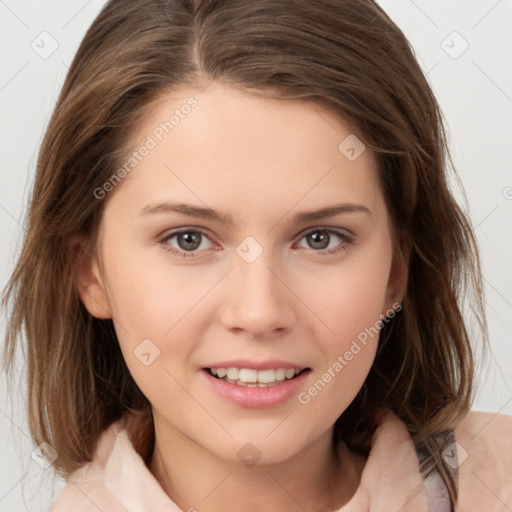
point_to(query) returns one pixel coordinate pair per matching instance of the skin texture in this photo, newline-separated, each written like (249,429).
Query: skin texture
(261,161)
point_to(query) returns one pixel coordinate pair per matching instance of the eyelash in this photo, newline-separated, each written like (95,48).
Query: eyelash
(322,252)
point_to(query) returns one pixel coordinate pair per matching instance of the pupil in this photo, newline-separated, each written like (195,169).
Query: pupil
(190,237)
(319,237)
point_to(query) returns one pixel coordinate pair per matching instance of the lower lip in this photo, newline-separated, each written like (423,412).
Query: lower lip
(256,397)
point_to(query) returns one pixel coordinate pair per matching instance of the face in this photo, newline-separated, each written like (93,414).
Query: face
(258,285)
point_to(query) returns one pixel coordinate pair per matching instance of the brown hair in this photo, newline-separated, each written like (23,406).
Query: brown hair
(345,55)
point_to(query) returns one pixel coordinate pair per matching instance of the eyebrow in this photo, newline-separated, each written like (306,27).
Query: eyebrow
(214,215)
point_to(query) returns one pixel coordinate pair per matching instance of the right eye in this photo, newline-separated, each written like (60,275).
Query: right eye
(187,240)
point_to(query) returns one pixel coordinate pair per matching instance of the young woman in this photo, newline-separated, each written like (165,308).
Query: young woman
(242,276)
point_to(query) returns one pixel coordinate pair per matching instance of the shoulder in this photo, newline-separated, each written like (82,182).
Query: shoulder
(476,422)
(82,495)
(484,452)
(116,480)
(85,489)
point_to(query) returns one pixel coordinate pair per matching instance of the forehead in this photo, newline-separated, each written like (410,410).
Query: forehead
(245,150)
(229,116)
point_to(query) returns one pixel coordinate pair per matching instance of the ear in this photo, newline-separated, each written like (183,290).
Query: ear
(397,283)
(88,279)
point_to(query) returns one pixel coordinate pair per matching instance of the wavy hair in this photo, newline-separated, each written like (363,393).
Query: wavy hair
(345,55)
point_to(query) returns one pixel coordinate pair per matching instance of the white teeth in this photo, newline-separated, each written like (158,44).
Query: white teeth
(254,378)
(290,373)
(266,376)
(232,373)
(246,375)
(280,374)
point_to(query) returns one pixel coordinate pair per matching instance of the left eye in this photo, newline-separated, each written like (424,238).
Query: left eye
(321,238)
(189,241)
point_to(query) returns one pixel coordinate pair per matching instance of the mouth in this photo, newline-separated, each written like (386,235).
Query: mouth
(252,378)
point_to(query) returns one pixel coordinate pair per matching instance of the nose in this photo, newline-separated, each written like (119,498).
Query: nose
(259,300)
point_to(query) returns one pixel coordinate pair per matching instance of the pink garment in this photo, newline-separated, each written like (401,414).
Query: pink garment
(117,480)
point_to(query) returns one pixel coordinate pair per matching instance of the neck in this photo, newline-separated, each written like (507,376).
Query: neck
(317,478)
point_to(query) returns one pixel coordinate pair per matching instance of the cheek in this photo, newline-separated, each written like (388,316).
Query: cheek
(161,311)
(358,302)
(349,304)
(149,305)
(349,298)
(336,385)
(353,314)
(148,295)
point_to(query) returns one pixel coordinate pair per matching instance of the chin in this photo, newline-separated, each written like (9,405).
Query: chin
(260,451)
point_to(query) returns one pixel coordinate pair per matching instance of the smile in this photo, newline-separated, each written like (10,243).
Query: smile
(255,378)
(270,385)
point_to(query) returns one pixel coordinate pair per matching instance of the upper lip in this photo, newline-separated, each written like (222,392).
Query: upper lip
(269,364)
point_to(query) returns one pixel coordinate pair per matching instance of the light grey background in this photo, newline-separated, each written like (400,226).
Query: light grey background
(474,89)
